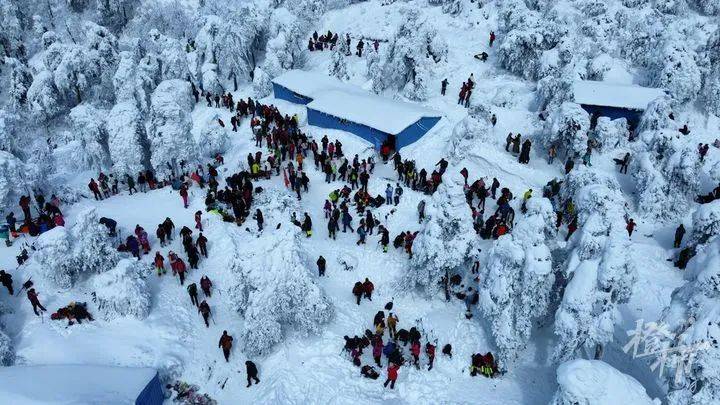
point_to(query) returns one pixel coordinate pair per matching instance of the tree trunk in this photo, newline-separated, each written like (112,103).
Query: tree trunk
(598,351)
(447,286)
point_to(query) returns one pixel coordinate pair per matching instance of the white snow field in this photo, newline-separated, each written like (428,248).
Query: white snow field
(78,98)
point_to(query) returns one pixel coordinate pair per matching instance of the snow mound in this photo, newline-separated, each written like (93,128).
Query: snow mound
(595,382)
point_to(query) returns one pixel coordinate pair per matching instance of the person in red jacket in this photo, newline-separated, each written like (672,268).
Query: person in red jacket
(226,345)
(93,186)
(392,372)
(415,351)
(464,173)
(34,301)
(492,38)
(205,285)
(184,195)
(368,288)
(179,267)
(630,227)
(430,351)
(358,291)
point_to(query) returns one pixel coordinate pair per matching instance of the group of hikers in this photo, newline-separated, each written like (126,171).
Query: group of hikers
(329,41)
(394,349)
(48,217)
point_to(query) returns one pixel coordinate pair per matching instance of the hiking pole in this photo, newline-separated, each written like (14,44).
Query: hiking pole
(213,319)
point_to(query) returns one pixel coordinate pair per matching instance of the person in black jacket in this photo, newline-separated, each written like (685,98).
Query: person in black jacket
(252,373)
(321,266)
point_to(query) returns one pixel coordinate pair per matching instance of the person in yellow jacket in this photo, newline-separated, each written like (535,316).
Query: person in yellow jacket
(526,197)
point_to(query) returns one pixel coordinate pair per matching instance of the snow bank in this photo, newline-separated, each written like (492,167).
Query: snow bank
(595,382)
(75,384)
(614,95)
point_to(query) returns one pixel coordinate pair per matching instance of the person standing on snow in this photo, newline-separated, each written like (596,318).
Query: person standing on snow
(252,373)
(679,234)
(204,310)
(321,266)
(225,343)
(259,218)
(630,227)
(168,226)
(307,225)
(430,351)
(35,301)
(192,291)
(392,373)
(205,285)
(159,264)
(6,280)
(358,291)
(443,86)
(184,195)
(198,220)
(201,244)
(388,194)
(368,288)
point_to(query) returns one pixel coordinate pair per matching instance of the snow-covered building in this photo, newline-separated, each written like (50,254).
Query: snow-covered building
(80,384)
(614,100)
(336,105)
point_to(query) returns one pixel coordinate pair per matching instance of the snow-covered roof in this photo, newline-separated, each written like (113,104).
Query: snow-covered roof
(377,112)
(614,95)
(73,384)
(343,100)
(311,84)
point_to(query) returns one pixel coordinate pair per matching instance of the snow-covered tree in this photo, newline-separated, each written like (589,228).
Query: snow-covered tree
(93,250)
(243,39)
(123,290)
(272,288)
(473,130)
(516,280)
(706,222)
(262,83)
(596,382)
(7,353)
(20,81)
(128,144)
(680,74)
(53,256)
(444,245)
(656,116)
(711,91)
(525,36)
(210,80)
(91,137)
(115,14)
(14,180)
(338,63)
(708,7)
(43,97)
(411,54)
(171,54)
(214,139)
(568,129)
(170,125)
(611,134)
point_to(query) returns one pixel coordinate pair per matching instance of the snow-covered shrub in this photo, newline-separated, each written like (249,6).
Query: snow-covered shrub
(43,97)
(711,91)
(444,244)
(214,139)
(13,179)
(611,134)
(93,250)
(601,277)
(20,81)
(516,281)
(123,291)
(210,80)
(656,116)
(170,125)
(338,61)
(273,289)
(53,256)
(473,130)
(411,54)
(7,353)
(128,144)
(680,74)
(91,137)
(64,256)
(596,382)
(706,222)
(262,83)
(525,36)
(568,128)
